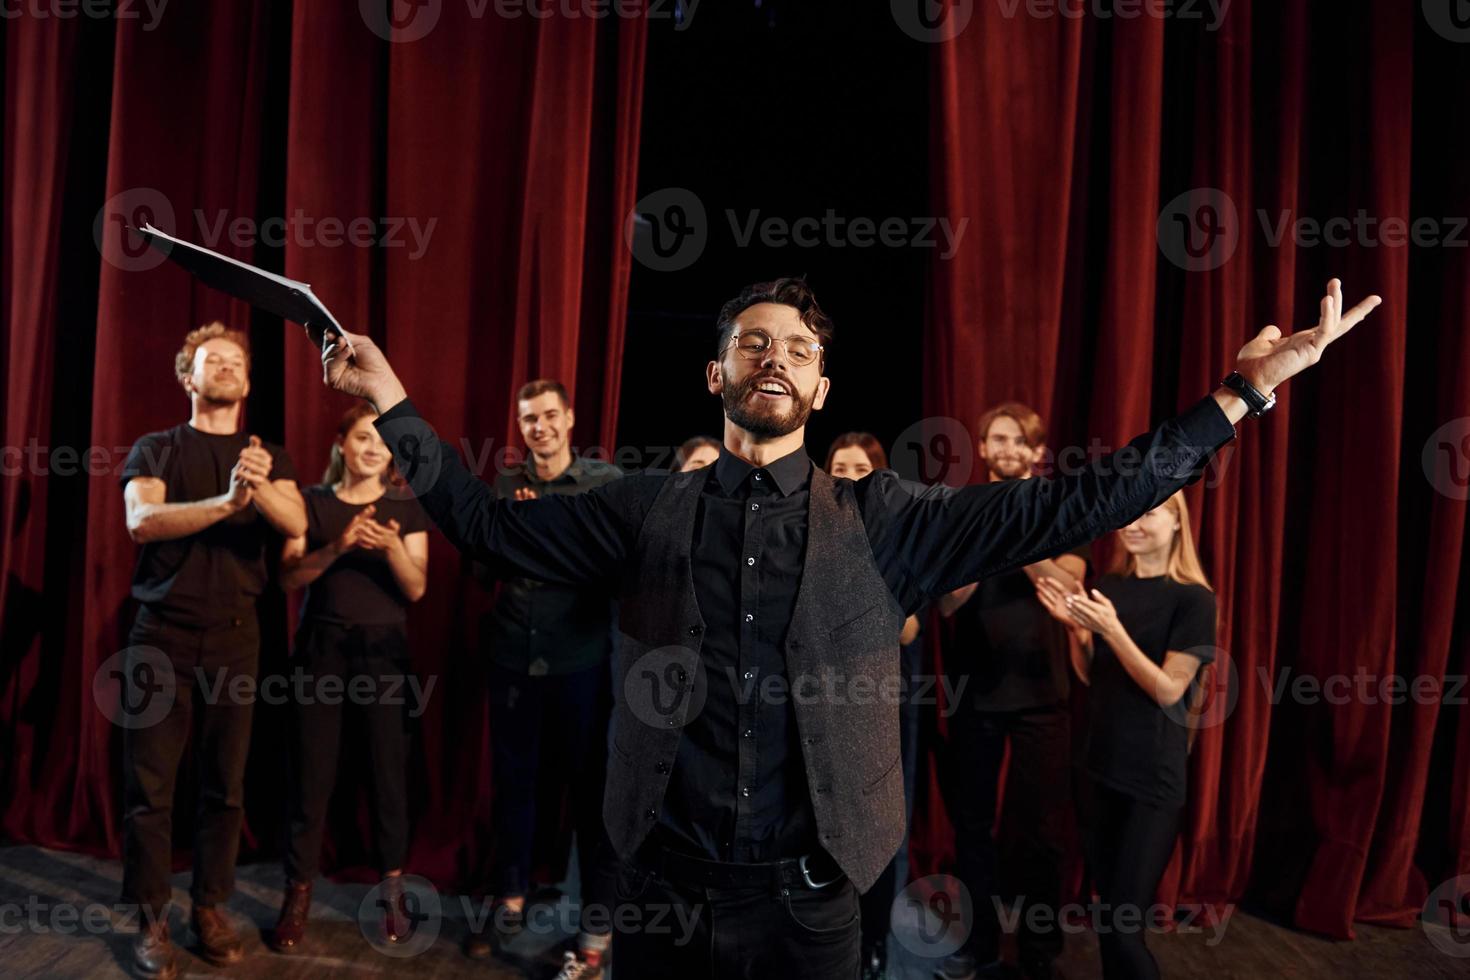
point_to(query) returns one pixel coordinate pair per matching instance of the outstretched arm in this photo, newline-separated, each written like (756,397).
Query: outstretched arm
(561,539)
(943,538)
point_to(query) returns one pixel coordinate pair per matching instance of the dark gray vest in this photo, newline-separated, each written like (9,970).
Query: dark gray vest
(841,661)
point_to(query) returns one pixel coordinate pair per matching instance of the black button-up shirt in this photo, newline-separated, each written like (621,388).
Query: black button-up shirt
(738,790)
(539,628)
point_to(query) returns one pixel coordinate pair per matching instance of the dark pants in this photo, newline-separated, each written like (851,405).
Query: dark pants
(560,722)
(1037,808)
(1128,847)
(204,663)
(687,932)
(372,663)
(877,902)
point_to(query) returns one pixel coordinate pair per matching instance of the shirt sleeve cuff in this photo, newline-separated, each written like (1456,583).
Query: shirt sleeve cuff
(1206,423)
(403,410)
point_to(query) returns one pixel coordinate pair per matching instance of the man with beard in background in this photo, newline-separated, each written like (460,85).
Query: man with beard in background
(204,499)
(755,785)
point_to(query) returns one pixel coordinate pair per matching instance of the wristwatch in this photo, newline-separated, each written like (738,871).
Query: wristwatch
(1257,404)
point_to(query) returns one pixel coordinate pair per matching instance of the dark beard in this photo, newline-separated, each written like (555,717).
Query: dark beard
(767,424)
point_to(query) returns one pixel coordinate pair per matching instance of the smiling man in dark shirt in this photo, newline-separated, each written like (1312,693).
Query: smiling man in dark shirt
(755,786)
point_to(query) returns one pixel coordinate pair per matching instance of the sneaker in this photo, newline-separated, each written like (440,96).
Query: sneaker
(573,967)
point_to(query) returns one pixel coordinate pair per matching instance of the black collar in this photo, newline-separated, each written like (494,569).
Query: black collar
(790,473)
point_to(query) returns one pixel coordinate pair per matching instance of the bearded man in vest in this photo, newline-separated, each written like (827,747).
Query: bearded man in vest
(754,786)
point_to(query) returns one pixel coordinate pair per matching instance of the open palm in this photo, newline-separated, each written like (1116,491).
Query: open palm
(1270,358)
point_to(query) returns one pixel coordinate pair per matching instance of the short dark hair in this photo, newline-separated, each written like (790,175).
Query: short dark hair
(541,386)
(791,291)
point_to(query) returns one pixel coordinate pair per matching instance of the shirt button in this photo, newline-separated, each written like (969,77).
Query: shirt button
(750,561)
(651,814)
(745,791)
(755,506)
(758,476)
(696,629)
(749,674)
(750,733)
(749,618)
(661,768)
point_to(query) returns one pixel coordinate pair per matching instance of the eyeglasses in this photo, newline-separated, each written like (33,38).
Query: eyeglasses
(753,344)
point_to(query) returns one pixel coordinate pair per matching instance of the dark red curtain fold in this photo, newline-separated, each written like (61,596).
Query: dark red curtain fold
(458,195)
(1330,557)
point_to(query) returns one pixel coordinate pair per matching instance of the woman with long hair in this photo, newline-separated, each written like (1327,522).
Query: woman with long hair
(1145,631)
(362,561)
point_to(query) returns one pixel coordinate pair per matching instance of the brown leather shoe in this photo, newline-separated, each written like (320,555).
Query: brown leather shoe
(217,941)
(153,952)
(290,928)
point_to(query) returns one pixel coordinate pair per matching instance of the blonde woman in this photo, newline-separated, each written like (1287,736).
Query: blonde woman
(1145,632)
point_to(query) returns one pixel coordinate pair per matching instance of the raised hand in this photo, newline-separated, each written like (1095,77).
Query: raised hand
(255,463)
(525,493)
(1271,358)
(352,535)
(379,537)
(354,365)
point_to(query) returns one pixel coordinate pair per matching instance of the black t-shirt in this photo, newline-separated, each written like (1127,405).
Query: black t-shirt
(212,576)
(358,588)
(1133,744)
(1013,650)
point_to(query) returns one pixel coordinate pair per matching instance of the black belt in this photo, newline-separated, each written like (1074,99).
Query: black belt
(816,870)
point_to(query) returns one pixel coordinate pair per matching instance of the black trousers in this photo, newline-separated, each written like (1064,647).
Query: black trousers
(681,932)
(1129,843)
(557,722)
(372,663)
(1038,803)
(205,663)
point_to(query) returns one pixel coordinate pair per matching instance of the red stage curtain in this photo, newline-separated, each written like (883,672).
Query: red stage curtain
(495,157)
(1062,141)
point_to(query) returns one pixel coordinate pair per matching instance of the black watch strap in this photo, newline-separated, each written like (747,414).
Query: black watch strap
(1257,404)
